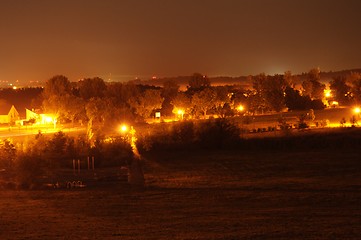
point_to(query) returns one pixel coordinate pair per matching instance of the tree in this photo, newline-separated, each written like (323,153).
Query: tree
(97,109)
(340,89)
(181,102)
(257,100)
(58,85)
(147,102)
(198,82)
(7,154)
(222,101)
(92,87)
(203,101)
(274,92)
(355,80)
(170,89)
(74,108)
(269,92)
(56,96)
(169,92)
(312,85)
(122,93)
(289,79)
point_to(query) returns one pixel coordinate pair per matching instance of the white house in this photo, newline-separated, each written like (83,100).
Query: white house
(8,114)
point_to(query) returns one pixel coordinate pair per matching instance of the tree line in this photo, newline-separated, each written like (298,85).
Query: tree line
(103,105)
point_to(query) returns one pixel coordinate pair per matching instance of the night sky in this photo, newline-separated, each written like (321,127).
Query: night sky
(123,39)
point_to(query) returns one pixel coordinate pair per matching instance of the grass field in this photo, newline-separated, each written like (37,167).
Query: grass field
(202,195)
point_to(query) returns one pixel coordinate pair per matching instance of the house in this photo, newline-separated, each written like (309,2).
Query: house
(8,114)
(40,118)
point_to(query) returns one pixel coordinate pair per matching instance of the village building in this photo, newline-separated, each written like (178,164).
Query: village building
(39,118)
(8,114)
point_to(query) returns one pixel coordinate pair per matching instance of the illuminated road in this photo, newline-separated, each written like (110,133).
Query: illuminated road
(7,132)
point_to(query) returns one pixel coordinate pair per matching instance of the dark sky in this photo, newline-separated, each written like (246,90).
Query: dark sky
(124,39)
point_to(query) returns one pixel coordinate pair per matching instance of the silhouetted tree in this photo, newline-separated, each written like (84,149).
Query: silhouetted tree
(7,154)
(58,85)
(203,101)
(312,85)
(169,92)
(57,95)
(257,100)
(355,80)
(181,102)
(198,82)
(274,92)
(294,100)
(92,87)
(339,89)
(147,102)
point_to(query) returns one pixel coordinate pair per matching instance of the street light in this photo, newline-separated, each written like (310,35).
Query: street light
(180,113)
(123,128)
(240,108)
(327,93)
(357,110)
(135,171)
(129,135)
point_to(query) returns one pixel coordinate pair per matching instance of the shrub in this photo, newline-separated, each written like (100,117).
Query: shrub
(113,152)
(7,154)
(218,133)
(183,133)
(28,168)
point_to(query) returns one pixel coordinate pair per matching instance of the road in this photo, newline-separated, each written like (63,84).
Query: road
(12,132)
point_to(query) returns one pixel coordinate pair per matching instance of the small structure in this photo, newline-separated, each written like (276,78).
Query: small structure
(8,114)
(40,118)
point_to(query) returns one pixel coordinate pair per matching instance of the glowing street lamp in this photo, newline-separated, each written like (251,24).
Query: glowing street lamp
(180,113)
(327,93)
(240,108)
(135,172)
(357,110)
(123,128)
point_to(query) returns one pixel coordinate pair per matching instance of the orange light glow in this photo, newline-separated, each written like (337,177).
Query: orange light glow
(180,111)
(327,93)
(48,119)
(123,128)
(240,108)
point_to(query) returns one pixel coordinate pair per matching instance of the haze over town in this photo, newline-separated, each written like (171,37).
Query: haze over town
(124,40)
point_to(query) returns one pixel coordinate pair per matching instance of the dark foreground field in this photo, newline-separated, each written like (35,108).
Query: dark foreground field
(214,195)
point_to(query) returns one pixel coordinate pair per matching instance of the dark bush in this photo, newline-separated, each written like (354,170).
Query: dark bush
(183,133)
(112,152)
(217,133)
(28,168)
(7,154)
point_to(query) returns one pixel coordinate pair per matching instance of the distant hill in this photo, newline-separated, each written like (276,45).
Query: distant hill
(243,81)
